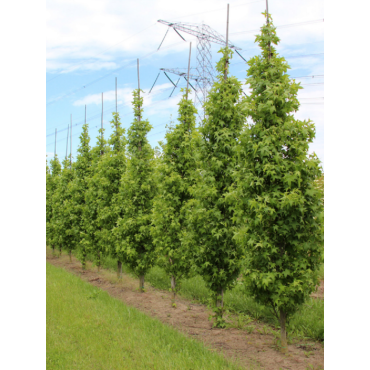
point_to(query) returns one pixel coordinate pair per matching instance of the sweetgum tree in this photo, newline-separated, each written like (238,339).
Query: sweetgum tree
(79,187)
(108,177)
(174,178)
(137,190)
(210,229)
(64,218)
(278,206)
(52,178)
(90,235)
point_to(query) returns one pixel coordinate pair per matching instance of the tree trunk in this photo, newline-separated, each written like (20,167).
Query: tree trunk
(119,270)
(83,260)
(284,344)
(173,286)
(98,261)
(60,251)
(141,283)
(70,256)
(53,250)
(220,302)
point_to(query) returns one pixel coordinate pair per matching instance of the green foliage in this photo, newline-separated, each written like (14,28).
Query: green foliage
(64,218)
(78,188)
(174,178)
(277,205)
(210,230)
(52,179)
(108,176)
(93,200)
(137,189)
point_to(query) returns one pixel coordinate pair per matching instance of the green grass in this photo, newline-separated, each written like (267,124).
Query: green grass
(88,329)
(308,321)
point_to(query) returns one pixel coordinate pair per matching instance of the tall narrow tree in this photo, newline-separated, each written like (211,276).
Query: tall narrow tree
(52,178)
(108,177)
(63,213)
(137,191)
(79,187)
(210,231)
(174,178)
(278,206)
(90,235)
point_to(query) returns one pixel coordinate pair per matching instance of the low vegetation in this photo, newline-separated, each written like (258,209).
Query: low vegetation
(87,329)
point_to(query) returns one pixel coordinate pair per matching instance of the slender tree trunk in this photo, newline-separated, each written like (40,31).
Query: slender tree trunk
(284,344)
(53,250)
(119,270)
(98,261)
(83,260)
(141,283)
(60,251)
(220,302)
(173,286)
(70,256)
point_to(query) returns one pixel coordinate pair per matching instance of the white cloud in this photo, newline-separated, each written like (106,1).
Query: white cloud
(103,30)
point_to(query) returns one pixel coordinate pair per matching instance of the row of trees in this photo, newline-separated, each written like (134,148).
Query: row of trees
(226,198)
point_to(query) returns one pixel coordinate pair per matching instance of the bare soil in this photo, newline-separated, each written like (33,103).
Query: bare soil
(255,350)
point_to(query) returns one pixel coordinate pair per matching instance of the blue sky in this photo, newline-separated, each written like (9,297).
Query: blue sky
(89,44)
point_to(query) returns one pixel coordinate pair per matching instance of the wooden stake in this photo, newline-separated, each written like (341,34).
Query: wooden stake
(138,84)
(116,108)
(67,142)
(102,113)
(70,162)
(55,144)
(139,118)
(227,42)
(268,22)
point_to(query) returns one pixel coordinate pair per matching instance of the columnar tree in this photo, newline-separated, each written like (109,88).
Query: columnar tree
(52,177)
(108,174)
(79,188)
(137,191)
(278,206)
(210,231)
(63,212)
(174,178)
(92,201)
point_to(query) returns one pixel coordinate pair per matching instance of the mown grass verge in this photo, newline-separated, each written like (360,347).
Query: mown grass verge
(308,321)
(88,329)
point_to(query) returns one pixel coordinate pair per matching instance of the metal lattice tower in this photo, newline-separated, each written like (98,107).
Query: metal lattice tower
(205,35)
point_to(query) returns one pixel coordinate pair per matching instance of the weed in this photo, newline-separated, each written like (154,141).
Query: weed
(250,329)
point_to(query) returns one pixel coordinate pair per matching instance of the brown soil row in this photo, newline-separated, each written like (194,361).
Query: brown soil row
(255,350)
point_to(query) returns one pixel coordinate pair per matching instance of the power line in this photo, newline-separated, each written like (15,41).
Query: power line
(153,103)
(108,74)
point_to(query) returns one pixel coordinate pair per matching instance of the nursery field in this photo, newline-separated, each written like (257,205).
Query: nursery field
(85,312)
(218,233)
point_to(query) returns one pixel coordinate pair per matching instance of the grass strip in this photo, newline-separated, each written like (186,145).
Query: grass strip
(88,329)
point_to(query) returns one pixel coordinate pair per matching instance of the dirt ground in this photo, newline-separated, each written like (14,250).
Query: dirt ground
(255,350)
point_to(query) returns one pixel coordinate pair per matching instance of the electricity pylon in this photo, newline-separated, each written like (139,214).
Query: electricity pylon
(205,35)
